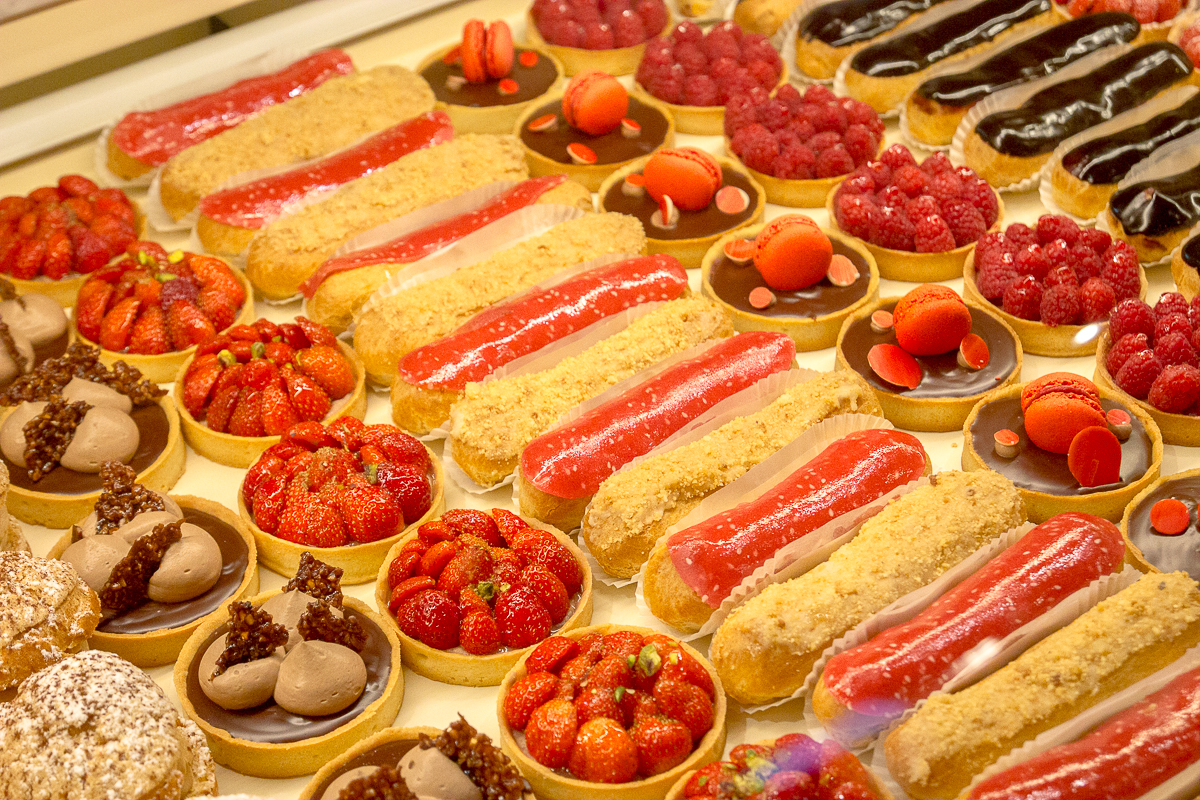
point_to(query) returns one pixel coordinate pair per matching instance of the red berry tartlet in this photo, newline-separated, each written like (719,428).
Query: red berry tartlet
(1054,283)
(590,34)
(1185,32)
(610,713)
(1149,357)
(473,591)
(792,767)
(51,238)
(243,388)
(346,491)
(920,221)
(151,308)
(1155,16)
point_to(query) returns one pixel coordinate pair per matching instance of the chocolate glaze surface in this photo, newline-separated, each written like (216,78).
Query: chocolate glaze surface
(906,53)
(1168,553)
(692,224)
(1039,470)
(733,282)
(847,22)
(1068,107)
(531,82)
(1108,159)
(1152,208)
(610,148)
(1040,55)
(942,376)
(152,616)
(153,429)
(1191,252)
(386,754)
(270,722)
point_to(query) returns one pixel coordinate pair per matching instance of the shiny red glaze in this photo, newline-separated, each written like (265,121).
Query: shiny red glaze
(252,205)
(714,556)
(539,318)
(572,460)
(1130,754)
(154,136)
(908,662)
(430,239)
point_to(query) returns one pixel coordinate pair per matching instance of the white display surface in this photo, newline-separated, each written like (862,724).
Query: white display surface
(427,702)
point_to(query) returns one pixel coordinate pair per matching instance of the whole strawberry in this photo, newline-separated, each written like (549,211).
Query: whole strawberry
(521,617)
(437,619)
(662,744)
(603,752)
(550,734)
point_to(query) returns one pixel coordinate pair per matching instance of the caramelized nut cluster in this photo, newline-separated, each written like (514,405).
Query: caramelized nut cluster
(10,346)
(127,586)
(384,783)
(317,579)
(122,498)
(80,361)
(481,760)
(320,623)
(252,635)
(49,433)
(7,290)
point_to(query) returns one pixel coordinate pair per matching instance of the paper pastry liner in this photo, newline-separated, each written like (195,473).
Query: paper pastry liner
(1180,786)
(156,213)
(502,234)
(262,64)
(1015,96)
(1171,159)
(784,40)
(1159,104)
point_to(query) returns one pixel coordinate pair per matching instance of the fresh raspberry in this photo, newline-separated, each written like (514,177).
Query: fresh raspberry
(1130,316)
(757,47)
(933,235)
(668,87)
(1176,389)
(1020,235)
(691,58)
(1171,303)
(718,45)
(1096,239)
(764,73)
(860,143)
(910,180)
(1061,304)
(790,96)
(785,138)
(611,9)
(722,68)
(1145,11)
(893,229)
(991,245)
(773,114)
(979,194)
(569,33)
(687,31)
(1196,339)
(739,112)
(1060,276)
(1194,312)
(755,146)
(823,141)
(598,36)
(965,221)
(726,27)
(819,94)
(859,182)
(1085,261)
(897,156)
(1023,298)
(1137,374)
(829,117)
(994,280)
(892,196)
(1098,300)
(1122,276)
(1174,348)
(1120,352)
(937,163)
(965,173)
(629,29)
(946,186)
(653,14)
(796,162)
(922,207)
(856,214)
(880,172)
(701,90)
(802,128)
(1031,260)
(758,94)
(1058,253)
(1171,323)
(737,84)
(1055,226)
(833,161)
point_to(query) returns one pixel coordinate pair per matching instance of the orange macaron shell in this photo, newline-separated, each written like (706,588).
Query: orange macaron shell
(691,177)
(1053,420)
(930,320)
(498,51)
(792,253)
(595,102)
(474,58)
(1053,382)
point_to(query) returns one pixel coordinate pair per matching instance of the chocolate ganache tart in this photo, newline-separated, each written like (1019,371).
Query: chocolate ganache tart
(1174,542)
(33,329)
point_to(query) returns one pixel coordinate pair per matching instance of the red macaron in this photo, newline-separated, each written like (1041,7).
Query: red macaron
(487,51)
(595,102)
(1057,407)
(691,177)
(791,252)
(931,319)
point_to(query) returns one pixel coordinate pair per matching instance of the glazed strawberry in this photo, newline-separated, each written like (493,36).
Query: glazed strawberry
(551,654)
(59,255)
(610,672)
(246,419)
(324,526)
(595,701)
(686,703)
(549,590)
(214,274)
(221,408)
(623,644)
(707,780)
(347,430)
(295,512)
(552,555)
(436,558)
(268,503)
(409,485)
(407,588)
(634,705)
(90,306)
(603,752)
(328,367)
(438,619)
(522,618)
(509,524)
(310,400)
(471,598)
(531,691)
(188,325)
(682,666)
(149,334)
(550,735)
(278,413)
(317,335)
(118,324)
(661,743)
(434,531)
(216,305)
(469,566)
(473,522)
(478,634)
(311,436)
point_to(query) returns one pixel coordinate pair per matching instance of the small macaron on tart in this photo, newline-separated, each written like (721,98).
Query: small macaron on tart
(686,199)
(485,83)
(586,34)
(1066,444)
(789,276)
(594,128)
(1160,525)
(929,356)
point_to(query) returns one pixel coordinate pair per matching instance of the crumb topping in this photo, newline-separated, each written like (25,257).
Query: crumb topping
(122,498)
(318,622)
(384,783)
(479,759)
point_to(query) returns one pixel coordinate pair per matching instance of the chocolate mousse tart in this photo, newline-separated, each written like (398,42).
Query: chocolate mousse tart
(91,414)
(948,389)
(548,143)
(405,752)
(1179,429)
(212,562)
(1185,267)
(494,105)
(308,674)
(695,231)
(37,330)
(1174,542)
(812,316)
(1043,478)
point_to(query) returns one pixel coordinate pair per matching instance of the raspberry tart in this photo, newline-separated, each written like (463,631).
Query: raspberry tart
(1061,310)
(929,356)
(161,565)
(582,35)
(697,73)
(685,199)
(1156,16)
(919,221)
(345,491)
(423,761)
(241,390)
(594,128)
(288,680)
(799,146)
(1152,363)
(151,308)
(84,414)
(802,281)
(794,765)
(472,592)
(51,238)
(485,83)
(1066,444)
(610,713)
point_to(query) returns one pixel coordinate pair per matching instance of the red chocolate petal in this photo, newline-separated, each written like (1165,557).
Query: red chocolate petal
(842,271)
(508,86)
(761,297)
(732,200)
(739,251)
(546,122)
(973,353)
(1095,457)
(894,365)
(529,58)
(881,321)
(581,153)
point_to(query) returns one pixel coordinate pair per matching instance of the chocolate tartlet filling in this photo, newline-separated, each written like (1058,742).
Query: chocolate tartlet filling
(692,224)
(531,82)
(1168,553)
(733,283)
(610,148)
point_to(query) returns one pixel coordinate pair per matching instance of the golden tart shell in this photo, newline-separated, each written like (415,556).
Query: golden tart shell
(1187,278)
(812,193)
